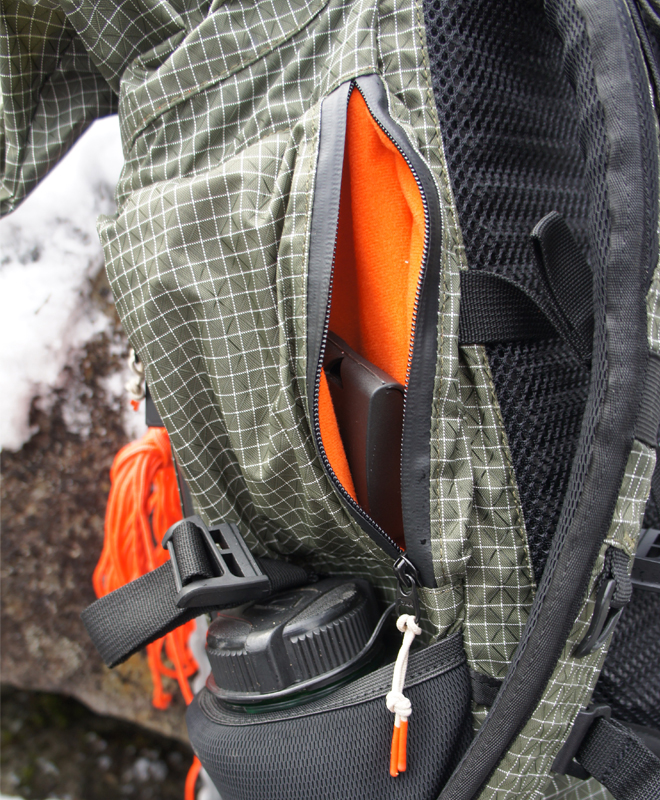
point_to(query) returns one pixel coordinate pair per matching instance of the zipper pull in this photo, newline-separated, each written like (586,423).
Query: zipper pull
(407,579)
(397,702)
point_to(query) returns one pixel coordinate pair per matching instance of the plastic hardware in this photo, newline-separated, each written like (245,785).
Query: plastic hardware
(605,617)
(238,578)
(646,568)
(151,416)
(407,578)
(564,763)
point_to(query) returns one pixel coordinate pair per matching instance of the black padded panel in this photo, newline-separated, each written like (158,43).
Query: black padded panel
(510,127)
(339,747)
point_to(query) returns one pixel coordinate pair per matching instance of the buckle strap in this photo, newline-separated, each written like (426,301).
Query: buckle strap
(612,753)
(207,570)
(618,758)
(213,565)
(565,763)
(614,590)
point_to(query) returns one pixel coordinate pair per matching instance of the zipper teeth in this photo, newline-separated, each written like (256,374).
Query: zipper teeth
(317,425)
(317,385)
(425,250)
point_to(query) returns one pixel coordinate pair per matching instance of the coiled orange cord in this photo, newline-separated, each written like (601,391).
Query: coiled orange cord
(143,503)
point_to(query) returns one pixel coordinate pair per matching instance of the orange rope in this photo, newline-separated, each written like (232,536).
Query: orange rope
(143,504)
(191,779)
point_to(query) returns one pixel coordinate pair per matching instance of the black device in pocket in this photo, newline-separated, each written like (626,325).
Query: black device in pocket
(368,405)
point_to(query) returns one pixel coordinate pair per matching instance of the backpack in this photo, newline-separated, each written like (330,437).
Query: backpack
(466,195)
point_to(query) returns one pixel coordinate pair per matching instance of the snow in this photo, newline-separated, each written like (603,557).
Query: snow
(48,252)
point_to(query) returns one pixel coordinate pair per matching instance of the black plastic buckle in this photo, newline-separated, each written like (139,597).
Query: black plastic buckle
(646,567)
(605,617)
(238,578)
(565,763)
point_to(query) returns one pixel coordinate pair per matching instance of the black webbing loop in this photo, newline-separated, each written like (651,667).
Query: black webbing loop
(495,308)
(568,280)
(191,555)
(124,621)
(617,566)
(619,760)
(484,688)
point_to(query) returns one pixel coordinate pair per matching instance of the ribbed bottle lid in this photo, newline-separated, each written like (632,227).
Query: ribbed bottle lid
(292,639)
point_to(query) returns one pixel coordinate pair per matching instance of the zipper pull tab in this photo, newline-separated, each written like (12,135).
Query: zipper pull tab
(396,701)
(407,600)
(407,579)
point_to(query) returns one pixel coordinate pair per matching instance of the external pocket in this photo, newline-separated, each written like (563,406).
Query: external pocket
(374,271)
(338,748)
(377,266)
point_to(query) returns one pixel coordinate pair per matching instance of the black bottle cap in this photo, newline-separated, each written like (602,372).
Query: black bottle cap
(296,639)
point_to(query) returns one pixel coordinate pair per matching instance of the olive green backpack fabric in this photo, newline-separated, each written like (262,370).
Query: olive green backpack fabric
(534,461)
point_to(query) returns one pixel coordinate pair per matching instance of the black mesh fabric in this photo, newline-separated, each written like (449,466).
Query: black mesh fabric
(630,680)
(339,747)
(541,390)
(511,132)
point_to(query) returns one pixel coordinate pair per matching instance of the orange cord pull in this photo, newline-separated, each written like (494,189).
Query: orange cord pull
(399,743)
(394,752)
(143,503)
(403,741)
(396,701)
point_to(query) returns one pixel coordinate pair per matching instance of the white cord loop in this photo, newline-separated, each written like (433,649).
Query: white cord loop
(135,385)
(396,701)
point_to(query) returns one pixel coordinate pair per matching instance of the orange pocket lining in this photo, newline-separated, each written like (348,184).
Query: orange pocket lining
(378,261)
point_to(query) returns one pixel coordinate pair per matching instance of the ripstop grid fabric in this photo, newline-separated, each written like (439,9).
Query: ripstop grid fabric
(499,578)
(215,223)
(52,91)
(207,255)
(219,111)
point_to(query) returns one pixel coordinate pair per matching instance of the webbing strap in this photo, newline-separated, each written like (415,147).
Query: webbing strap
(495,309)
(126,620)
(619,760)
(559,301)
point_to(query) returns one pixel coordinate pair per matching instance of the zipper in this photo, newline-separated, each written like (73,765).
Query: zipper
(425,251)
(406,571)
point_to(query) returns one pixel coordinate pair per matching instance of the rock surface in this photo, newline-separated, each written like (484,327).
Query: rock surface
(53,498)
(54,747)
